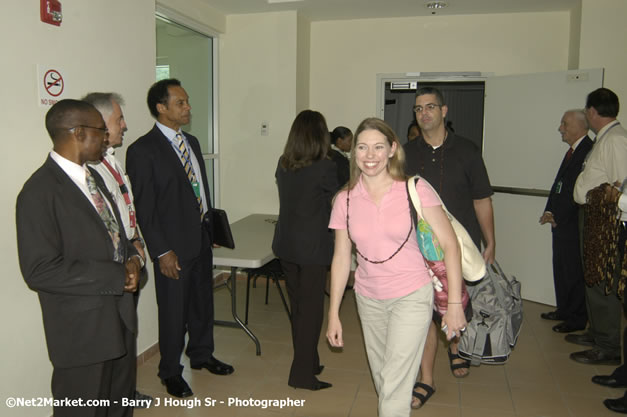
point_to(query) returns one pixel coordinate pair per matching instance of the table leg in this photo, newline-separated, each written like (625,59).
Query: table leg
(238,322)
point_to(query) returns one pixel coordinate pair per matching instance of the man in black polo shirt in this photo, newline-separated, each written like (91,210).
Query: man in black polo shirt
(454,167)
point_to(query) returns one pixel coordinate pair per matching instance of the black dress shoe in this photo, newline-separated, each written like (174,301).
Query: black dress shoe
(608,381)
(142,400)
(580,339)
(565,327)
(551,315)
(618,405)
(596,357)
(321,385)
(177,387)
(317,385)
(215,367)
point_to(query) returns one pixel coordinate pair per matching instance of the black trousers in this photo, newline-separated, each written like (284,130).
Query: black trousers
(305,287)
(570,289)
(111,380)
(186,305)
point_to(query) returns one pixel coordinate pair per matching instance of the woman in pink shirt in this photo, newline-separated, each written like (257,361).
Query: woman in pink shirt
(392,285)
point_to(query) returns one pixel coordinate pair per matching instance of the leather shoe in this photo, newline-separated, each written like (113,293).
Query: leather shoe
(321,385)
(618,405)
(177,387)
(215,367)
(317,385)
(608,381)
(580,339)
(595,357)
(551,315)
(566,327)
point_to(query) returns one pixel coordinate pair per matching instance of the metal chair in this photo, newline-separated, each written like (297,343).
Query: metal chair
(272,271)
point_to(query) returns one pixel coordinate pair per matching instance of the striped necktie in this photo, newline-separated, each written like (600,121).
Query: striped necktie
(107,217)
(187,166)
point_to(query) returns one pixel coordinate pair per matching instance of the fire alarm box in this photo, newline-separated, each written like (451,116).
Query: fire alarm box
(51,12)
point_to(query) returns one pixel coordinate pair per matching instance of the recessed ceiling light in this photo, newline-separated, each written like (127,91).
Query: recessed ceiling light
(436,5)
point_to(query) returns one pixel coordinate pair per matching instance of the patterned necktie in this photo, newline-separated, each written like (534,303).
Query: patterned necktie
(107,217)
(187,165)
(568,154)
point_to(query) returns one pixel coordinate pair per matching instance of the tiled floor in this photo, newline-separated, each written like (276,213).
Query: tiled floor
(538,381)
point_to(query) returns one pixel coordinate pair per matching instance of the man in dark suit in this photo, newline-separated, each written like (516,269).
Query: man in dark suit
(75,254)
(561,212)
(172,199)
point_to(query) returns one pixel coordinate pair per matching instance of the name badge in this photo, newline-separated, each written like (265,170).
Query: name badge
(558,187)
(196,187)
(131,215)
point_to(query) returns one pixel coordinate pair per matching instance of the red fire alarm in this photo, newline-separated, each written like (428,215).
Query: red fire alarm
(51,12)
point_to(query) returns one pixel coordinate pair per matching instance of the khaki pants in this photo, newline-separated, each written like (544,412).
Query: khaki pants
(395,331)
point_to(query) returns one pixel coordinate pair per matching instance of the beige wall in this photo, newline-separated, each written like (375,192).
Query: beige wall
(258,67)
(303,64)
(575,37)
(603,36)
(347,55)
(100,46)
(260,79)
(197,10)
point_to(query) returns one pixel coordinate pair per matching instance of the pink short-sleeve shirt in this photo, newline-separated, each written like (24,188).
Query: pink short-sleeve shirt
(378,231)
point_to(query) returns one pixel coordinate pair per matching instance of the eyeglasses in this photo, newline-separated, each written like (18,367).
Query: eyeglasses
(102,129)
(428,107)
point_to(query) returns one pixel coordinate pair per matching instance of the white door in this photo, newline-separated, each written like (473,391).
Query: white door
(522,150)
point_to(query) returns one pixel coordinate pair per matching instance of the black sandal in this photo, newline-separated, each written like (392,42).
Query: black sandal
(454,366)
(423,398)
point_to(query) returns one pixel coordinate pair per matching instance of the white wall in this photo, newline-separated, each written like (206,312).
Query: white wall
(603,37)
(347,55)
(575,37)
(303,64)
(102,46)
(258,61)
(111,46)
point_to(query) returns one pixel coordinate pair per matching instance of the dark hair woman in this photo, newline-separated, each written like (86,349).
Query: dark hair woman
(307,182)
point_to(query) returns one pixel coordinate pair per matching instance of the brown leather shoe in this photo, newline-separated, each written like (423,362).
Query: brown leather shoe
(580,339)
(596,357)
(608,381)
(566,327)
(618,405)
(551,315)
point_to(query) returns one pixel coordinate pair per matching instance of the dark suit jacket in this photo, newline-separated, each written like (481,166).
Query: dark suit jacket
(167,209)
(562,203)
(66,255)
(302,234)
(342,165)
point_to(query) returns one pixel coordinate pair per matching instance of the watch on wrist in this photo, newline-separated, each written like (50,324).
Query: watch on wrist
(140,240)
(142,263)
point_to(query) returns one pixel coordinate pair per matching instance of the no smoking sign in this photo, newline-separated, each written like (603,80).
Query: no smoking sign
(51,85)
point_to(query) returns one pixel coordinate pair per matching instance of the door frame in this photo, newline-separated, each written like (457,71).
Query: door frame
(174,16)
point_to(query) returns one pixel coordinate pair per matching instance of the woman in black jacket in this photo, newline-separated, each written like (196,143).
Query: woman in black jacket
(307,182)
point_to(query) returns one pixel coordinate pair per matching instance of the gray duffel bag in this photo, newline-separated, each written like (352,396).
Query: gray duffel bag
(497,318)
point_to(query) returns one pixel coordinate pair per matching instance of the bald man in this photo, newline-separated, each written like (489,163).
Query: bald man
(562,213)
(75,255)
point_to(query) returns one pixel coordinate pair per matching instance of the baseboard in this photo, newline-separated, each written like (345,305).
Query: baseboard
(147,354)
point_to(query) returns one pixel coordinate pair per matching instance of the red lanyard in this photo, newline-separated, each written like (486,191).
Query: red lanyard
(123,189)
(120,181)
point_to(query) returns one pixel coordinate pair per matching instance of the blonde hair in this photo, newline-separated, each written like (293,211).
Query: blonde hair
(396,163)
